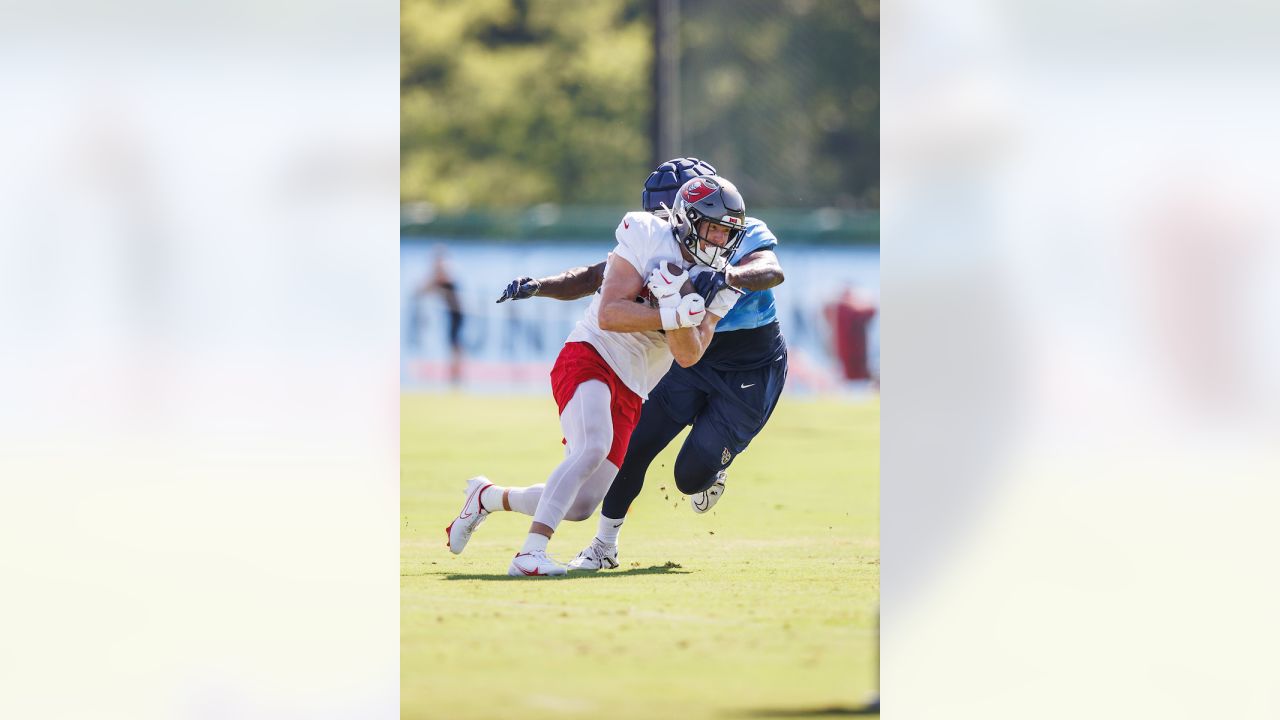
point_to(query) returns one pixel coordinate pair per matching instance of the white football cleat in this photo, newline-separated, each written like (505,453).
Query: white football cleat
(534,564)
(708,498)
(596,556)
(472,514)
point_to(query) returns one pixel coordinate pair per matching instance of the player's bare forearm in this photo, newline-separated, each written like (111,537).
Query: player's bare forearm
(619,311)
(685,345)
(572,284)
(688,344)
(758,271)
(628,316)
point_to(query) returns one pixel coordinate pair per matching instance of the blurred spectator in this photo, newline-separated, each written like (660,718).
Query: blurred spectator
(848,317)
(441,281)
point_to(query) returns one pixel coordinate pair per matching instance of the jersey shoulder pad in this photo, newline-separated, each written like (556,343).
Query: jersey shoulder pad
(638,234)
(638,224)
(757,237)
(758,234)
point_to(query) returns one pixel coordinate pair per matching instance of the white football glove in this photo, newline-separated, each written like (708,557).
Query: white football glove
(689,312)
(666,287)
(723,301)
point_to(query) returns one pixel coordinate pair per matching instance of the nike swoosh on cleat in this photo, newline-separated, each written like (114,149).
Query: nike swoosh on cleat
(744,387)
(464,514)
(536,571)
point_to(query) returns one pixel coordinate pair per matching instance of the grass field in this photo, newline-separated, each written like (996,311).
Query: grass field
(765,607)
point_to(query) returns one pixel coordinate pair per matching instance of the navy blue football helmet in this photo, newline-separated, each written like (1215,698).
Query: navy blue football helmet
(660,189)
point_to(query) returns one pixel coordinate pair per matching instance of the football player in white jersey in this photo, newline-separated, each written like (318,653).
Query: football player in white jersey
(637,323)
(727,397)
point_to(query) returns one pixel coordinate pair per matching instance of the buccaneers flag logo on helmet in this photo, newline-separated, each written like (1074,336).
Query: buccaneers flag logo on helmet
(698,189)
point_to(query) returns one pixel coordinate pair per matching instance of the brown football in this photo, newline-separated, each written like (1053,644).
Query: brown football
(675,269)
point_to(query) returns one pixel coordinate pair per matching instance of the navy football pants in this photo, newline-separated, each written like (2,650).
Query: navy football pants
(726,408)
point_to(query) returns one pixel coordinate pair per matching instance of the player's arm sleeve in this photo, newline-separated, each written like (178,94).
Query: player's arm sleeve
(758,237)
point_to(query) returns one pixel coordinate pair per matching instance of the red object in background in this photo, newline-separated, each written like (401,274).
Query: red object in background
(848,317)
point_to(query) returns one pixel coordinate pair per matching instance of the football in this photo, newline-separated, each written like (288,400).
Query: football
(675,269)
(671,268)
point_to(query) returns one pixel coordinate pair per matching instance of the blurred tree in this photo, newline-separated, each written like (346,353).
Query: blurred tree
(510,103)
(784,98)
(506,103)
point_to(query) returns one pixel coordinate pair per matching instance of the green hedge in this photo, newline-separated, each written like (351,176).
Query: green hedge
(553,222)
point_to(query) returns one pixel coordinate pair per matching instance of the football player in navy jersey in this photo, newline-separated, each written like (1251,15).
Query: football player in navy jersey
(727,396)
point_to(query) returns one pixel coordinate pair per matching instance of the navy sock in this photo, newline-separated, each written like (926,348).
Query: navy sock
(654,431)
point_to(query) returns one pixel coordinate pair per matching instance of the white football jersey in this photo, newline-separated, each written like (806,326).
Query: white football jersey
(639,358)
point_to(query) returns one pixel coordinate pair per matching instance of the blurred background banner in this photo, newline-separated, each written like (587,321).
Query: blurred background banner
(827,300)
(528,131)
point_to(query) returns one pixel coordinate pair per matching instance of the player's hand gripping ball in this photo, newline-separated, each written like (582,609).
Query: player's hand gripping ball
(668,283)
(691,311)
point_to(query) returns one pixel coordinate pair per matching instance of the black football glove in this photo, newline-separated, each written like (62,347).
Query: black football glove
(709,283)
(519,289)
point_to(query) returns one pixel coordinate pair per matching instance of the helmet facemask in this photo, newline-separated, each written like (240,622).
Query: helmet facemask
(702,248)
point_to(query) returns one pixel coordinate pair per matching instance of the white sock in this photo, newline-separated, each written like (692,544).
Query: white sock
(535,543)
(491,498)
(525,500)
(608,530)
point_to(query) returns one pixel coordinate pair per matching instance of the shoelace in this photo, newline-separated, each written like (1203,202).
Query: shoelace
(591,552)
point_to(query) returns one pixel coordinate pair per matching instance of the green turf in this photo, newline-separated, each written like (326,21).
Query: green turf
(764,607)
